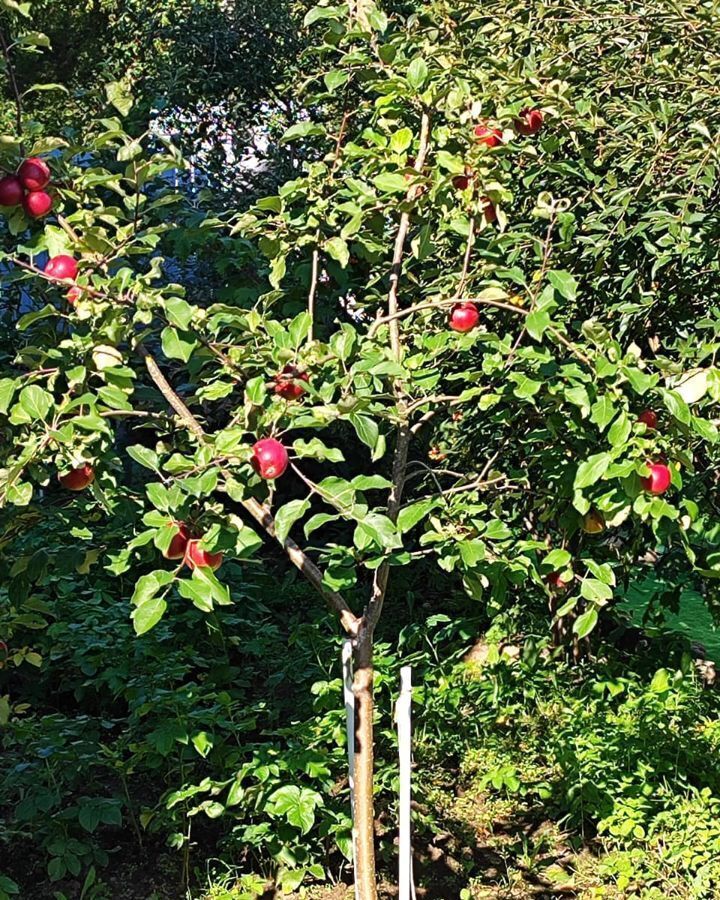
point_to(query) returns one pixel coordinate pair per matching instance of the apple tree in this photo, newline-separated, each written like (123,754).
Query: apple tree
(479,327)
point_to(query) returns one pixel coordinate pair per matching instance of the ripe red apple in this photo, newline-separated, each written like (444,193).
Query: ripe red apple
(11,191)
(530,121)
(659,479)
(463,182)
(61,268)
(286,382)
(270,458)
(488,210)
(179,542)
(554,580)
(196,557)
(37,204)
(464,317)
(74,294)
(487,135)
(78,479)
(649,418)
(34,174)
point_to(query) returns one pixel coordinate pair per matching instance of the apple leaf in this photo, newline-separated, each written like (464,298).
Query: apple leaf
(286,517)
(592,470)
(35,401)
(564,283)
(585,623)
(391,183)
(27,320)
(177,347)
(7,390)
(417,73)
(148,613)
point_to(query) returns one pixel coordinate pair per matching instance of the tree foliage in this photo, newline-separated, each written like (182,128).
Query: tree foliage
(512,455)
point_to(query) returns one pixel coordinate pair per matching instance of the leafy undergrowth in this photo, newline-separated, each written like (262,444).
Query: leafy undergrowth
(576,784)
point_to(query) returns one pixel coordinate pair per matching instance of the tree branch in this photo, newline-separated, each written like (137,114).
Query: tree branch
(257,510)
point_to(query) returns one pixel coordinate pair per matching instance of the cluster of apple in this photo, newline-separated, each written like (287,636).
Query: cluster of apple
(656,483)
(27,188)
(187,548)
(465,316)
(64,268)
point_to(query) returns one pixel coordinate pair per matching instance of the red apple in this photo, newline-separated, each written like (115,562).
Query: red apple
(74,294)
(487,135)
(61,268)
(659,479)
(196,557)
(463,182)
(34,174)
(270,458)
(649,418)
(286,382)
(554,580)
(78,479)
(179,542)
(11,191)
(464,317)
(37,204)
(530,121)
(488,210)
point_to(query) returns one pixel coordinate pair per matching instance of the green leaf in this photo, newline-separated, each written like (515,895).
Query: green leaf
(342,343)
(557,559)
(417,73)
(602,412)
(410,515)
(179,312)
(35,402)
(377,528)
(338,249)
(146,457)
(564,283)
(367,429)
(335,79)
(317,521)
(299,328)
(287,515)
(676,406)
(7,390)
(301,130)
(537,322)
(596,591)
(660,683)
(147,614)
(585,623)
(316,449)
(177,347)
(620,430)
(592,470)
(255,390)
(400,140)
(27,320)
(119,96)
(297,805)
(390,183)
(325,12)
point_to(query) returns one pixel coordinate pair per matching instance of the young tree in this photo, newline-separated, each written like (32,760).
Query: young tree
(485,261)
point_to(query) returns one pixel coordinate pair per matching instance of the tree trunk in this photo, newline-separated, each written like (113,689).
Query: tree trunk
(365,879)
